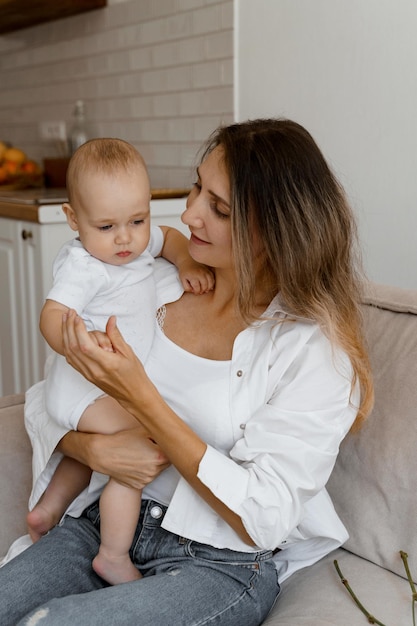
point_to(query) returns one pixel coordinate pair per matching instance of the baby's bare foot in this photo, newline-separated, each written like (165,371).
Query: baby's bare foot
(40,521)
(115,569)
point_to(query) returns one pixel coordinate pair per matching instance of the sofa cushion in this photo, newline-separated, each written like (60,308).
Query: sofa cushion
(316,596)
(374,483)
(15,471)
(390,298)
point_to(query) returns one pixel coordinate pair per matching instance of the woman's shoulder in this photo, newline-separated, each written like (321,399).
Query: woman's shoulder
(299,340)
(288,333)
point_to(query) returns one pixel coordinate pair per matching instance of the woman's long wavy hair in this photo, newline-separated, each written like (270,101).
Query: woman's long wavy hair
(282,189)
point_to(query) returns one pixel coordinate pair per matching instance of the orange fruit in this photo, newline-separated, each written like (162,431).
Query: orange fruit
(12,168)
(3,148)
(15,155)
(3,174)
(30,167)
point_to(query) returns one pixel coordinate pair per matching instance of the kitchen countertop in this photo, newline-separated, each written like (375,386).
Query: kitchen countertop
(43,205)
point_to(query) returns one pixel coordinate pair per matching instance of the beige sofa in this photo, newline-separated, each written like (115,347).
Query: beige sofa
(373,486)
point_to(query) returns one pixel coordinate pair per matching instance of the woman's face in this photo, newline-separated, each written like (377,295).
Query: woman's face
(208,214)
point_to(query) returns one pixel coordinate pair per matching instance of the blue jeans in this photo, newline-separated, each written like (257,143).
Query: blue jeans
(184,583)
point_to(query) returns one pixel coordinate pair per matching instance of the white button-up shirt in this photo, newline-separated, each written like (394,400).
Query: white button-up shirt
(291,406)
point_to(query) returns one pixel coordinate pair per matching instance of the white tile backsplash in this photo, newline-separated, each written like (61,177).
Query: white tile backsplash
(158,73)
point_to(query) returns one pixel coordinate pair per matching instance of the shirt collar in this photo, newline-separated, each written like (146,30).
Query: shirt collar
(277,308)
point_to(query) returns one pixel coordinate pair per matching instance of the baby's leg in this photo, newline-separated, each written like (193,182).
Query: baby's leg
(119,513)
(119,504)
(68,481)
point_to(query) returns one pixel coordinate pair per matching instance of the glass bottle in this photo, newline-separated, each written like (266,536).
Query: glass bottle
(79,131)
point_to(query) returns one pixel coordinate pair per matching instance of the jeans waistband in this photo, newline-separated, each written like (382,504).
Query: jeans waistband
(152,514)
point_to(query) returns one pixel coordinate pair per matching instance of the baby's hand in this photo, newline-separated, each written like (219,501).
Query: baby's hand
(195,277)
(101,340)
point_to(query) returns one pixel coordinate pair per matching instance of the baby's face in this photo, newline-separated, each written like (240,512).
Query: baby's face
(113,215)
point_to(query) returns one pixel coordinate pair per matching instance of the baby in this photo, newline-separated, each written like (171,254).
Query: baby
(107,270)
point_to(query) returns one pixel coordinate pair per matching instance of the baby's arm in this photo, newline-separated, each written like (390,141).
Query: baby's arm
(50,324)
(194,276)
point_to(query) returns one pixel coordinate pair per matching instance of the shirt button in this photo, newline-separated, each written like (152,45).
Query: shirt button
(239,373)
(242,426)
(156,512)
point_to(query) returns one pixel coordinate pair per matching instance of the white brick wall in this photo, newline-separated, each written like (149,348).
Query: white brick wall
(158,73)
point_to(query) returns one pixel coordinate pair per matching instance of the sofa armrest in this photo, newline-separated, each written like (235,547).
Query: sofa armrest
(15,470)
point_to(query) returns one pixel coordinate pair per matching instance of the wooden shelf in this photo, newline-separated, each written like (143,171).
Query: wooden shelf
(17,14)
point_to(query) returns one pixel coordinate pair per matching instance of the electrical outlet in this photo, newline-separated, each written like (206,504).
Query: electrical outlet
(53,131)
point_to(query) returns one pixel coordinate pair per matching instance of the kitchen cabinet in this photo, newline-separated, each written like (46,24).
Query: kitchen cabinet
(27,250)
(17,14)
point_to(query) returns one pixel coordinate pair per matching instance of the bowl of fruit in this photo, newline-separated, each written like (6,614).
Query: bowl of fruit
(17,171)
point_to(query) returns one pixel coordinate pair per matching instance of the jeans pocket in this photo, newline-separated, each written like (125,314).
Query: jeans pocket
(92,513)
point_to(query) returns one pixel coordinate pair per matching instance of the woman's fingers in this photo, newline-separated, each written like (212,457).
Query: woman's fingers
(78,340)
(112,371)
(79,347)
(115,336)
(130,457)
(101,339)
(69,334)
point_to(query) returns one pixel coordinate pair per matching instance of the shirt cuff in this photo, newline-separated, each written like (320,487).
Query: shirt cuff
(224,477)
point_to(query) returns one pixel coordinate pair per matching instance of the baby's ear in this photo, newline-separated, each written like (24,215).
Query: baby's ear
(70,215)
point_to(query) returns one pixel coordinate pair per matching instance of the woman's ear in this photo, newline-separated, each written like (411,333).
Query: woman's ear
(70,215)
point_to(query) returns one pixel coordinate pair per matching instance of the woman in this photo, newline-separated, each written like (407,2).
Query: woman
(247,394)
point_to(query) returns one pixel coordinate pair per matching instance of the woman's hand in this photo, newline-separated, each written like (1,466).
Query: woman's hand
(129,456)
(117,371)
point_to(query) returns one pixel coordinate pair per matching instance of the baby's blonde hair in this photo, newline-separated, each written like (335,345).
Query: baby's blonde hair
(104,155)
